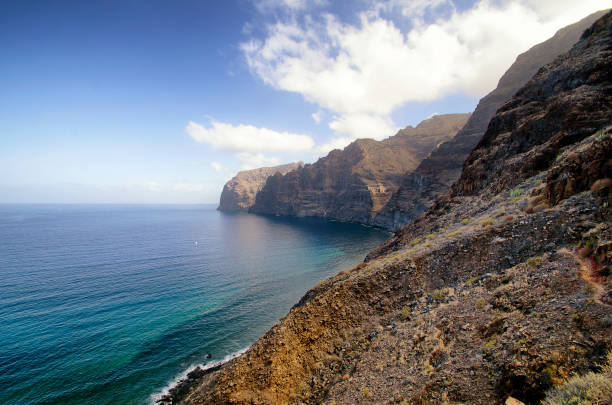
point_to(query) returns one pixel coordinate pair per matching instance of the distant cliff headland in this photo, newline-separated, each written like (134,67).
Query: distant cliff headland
(239,193)
(501,290)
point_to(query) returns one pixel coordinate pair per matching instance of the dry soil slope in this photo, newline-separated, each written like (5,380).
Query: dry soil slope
(502,288)
(355,183)
(239,193)
(434,175)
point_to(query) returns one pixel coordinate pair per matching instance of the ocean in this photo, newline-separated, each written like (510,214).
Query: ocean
(112,304)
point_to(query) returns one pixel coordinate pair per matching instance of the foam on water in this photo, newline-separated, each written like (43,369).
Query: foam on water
(183,375)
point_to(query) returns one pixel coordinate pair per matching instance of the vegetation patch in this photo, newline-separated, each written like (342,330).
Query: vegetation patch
(470,281)
(490,344)
(415,242)
(487,221)
(588,389)
(517,192)
(454,233)
(439,294)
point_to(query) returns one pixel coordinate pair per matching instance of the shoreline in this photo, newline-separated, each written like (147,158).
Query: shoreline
(183,382)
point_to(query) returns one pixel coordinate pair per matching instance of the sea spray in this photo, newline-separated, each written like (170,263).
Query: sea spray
(182,378)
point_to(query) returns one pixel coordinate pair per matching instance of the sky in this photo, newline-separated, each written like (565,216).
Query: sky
(151,101)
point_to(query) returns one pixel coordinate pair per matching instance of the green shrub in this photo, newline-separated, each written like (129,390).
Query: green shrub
(603,133)
(465,221)
(490,344)
(439,294)
(487,221)
(516,192)
(534,261)
(415,241)
(589,389)
(366,392)
(471,281)
(455,233)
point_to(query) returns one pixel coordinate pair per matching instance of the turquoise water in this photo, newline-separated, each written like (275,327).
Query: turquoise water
(109,304)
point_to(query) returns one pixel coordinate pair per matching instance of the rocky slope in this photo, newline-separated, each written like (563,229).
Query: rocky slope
(355,183)
(434,175)
(502,288)
(239,193)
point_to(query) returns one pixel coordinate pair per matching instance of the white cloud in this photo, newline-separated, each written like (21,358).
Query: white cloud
(364,126)
(317,117)
(334,143)
(256,160)
(287,5)
(410,8)
(218,167)
(247,138)
(363,72)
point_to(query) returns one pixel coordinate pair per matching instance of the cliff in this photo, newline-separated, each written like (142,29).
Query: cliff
(502,288)
(355,183)
(239,193)
(433,177)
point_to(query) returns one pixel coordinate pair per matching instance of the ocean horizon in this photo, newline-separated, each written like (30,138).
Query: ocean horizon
(113,303)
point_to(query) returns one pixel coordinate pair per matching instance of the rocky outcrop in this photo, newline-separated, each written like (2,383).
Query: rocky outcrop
(434,175)
(563,104)
(239,193)
(355,183)
(502,288)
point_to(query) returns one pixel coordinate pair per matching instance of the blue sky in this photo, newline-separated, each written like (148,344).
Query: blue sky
(162,102)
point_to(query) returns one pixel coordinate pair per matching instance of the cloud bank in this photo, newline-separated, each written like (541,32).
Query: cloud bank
(247,138)
(362,72)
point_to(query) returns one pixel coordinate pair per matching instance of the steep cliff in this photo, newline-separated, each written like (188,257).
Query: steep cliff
(434,175)
(501,288)
(239,193)
(355,183)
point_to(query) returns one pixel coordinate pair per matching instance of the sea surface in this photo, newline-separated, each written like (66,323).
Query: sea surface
(104,304)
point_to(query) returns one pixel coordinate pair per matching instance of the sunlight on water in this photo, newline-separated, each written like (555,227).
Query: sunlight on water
(110,304)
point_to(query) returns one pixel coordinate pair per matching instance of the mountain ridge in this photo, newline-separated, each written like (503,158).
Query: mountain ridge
(502,288)
(435,174)
(354,183)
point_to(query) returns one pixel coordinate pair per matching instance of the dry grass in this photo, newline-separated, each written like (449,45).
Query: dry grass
(588,389)
(454,233)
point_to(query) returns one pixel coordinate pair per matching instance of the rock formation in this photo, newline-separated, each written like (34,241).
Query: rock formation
(434,175)
(502,288)
(239,193)
(355,183)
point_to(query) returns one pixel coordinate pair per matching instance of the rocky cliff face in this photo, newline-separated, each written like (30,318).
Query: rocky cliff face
(434,175)
(239,193)
(501,288)
(355,183)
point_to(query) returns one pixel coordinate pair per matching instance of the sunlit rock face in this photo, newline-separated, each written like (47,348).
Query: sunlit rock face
(239,193)
(354,184)
(434,175)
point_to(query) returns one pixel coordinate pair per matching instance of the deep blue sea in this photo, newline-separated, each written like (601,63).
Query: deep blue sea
(104,304)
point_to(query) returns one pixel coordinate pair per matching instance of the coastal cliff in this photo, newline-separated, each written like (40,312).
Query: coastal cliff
(433,177)
(502,288)
(239,193)
(355,183)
